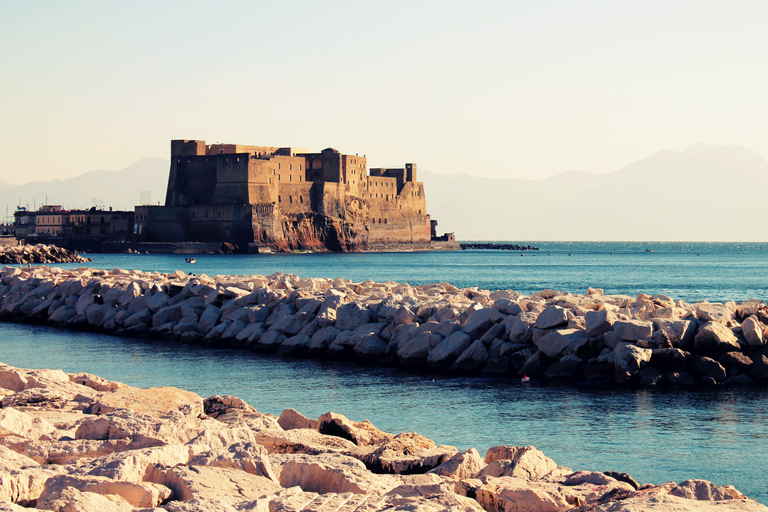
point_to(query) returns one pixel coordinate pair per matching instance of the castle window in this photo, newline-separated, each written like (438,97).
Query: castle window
(270,181)
(299,166)
(279,199)
(278,177)
(385,221)
(273,172)
(178,160)
(278,166)
(301,199)
(290,199)
(299,178)
(290,177)
(290,167)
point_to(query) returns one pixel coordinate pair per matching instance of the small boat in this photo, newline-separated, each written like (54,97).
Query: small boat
(189,260)
(525,379)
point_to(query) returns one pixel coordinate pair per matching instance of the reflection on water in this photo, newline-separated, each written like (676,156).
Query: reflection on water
(654,435)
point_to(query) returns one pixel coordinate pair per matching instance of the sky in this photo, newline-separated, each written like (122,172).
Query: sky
(501,89)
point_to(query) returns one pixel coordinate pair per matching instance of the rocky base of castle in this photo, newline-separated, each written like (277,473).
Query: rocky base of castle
(77,442)
(39,253)
(646,340)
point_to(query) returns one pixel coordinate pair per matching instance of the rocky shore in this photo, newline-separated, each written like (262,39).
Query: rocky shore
(74,442)
(644,340)
(39,253)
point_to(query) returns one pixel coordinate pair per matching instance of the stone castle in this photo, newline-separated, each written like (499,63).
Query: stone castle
(287,199)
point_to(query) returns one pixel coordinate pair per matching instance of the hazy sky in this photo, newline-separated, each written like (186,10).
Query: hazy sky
(495,88)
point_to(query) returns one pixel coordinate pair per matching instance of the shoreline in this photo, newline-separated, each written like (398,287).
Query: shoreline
(616,339)
(75,441)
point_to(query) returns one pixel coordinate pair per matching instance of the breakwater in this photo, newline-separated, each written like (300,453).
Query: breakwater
(496,246)
(646,340)
(38,253)
(76,441)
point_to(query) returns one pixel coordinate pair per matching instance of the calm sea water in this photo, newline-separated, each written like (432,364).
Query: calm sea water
(655,435)
(685,270)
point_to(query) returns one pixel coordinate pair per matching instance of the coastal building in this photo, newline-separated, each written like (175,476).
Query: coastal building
(286,199)
(54,222)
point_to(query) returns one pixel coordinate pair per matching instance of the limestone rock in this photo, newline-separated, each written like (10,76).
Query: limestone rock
(719,313)
(715,339)
(417,349)
(526,462)
(472,359)
(205,482)
(450,348)
(552,318)
(406,454)
(291,418)
(463,465)
(707,491)
(361,433)
(710,367)
(554,343)
(518,494)
(70,499)
(156,401)
(15,422)
(599,322)
(249,457)
(304,440)
(216,405)
(331,473)
(480,321)
(352,315)
(132,465)
(629,360)
(753,330)
(633,330)
(138,494)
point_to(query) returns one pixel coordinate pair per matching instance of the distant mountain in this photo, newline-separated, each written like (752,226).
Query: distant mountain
(119,189)
(705,193)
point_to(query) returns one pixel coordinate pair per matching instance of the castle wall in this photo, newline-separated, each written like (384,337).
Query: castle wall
(160,223)
(231,185)
(295,198)
(400,228)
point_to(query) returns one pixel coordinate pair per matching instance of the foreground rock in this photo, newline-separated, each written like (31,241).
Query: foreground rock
(643,340)
(103,446)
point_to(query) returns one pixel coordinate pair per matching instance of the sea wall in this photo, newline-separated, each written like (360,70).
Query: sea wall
(75,442)
(645,340)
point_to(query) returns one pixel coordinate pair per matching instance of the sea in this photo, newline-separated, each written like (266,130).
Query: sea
(656,435)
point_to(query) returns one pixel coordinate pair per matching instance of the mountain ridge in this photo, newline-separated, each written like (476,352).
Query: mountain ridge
(704,193)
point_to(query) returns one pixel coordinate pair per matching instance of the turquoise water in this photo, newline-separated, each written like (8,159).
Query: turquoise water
(688,271)
(654,435)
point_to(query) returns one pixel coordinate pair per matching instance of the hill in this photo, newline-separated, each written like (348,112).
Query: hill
(119,189)
(705,193)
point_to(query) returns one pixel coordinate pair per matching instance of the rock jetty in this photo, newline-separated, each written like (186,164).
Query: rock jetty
(73,442)
(646,340)
(496,246)
(39,253)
